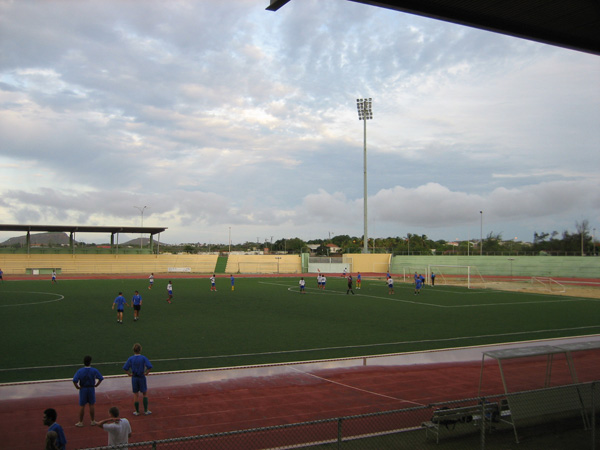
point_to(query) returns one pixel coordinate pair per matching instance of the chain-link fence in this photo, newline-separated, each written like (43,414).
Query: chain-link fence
(564,417)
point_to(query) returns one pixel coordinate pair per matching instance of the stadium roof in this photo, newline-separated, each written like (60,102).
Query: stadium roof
(573,24)
(81,229)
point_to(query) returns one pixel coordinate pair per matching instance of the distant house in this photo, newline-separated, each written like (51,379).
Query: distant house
(333,248)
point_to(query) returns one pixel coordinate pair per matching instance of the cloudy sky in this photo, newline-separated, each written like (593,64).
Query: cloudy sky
(222,116)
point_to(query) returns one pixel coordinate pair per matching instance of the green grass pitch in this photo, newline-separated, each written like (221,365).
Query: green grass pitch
(48,328)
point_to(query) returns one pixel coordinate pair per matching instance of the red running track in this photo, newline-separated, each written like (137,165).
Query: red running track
(205,402)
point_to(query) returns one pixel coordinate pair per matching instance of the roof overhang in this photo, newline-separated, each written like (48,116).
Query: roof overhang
(80,229)
(572,24)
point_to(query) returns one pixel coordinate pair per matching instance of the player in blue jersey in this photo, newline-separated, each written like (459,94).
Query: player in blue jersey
(121,303)
(432,279)
(136,302)
(418,285)
(138,367)
(358,280)
(232,282)
(86,380)
(50,421)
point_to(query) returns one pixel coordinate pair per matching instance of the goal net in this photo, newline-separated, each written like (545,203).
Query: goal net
(548,284)
(468,276)
(409,273)
(258,267)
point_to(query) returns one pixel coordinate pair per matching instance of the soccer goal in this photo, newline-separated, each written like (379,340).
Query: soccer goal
(408,275)
(548,284)
(258,267)
(468,276)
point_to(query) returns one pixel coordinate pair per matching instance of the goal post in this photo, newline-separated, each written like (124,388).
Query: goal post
(457,275)
(547,283)
(257,267)
(409,273)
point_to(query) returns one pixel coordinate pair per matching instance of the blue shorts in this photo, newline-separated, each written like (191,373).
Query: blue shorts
(87,395)
(138,384)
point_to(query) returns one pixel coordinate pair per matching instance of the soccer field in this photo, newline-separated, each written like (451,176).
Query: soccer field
(48,328)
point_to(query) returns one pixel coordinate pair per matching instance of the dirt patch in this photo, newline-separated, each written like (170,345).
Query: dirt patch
(569,290)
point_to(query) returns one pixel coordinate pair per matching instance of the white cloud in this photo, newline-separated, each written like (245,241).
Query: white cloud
(227,115)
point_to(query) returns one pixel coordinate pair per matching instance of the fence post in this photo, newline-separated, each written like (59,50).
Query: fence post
(482,425)
(593,416)
(339,439)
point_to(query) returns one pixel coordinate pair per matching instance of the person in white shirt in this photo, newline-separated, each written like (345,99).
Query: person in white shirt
(118,429)
(302,284)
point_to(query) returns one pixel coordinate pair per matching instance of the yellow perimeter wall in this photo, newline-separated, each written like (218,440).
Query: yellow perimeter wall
(84,264)
(369,263)
(16,264)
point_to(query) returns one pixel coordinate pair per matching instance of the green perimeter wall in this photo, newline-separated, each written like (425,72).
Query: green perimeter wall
(529,266)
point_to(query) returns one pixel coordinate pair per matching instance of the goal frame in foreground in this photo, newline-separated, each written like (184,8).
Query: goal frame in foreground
(457,273)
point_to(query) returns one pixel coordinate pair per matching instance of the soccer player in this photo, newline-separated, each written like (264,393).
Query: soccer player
(50,421)
(319,280)
(118,429)
(213,283)
(1,276)
(358,280)
(232,282)
(432,279)
(86,380)
(53,276)
(390,283)
(345,272)
(349,285)
(302,284)
(151,281)
(136,301)
(323,281)
(169,291)
(138,367)
(418,285)
(121,303)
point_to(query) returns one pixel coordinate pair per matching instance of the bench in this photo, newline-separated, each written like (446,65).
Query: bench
(450,418)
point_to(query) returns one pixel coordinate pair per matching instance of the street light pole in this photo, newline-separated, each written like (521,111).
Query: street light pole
(141,209)
(481,233)
(365,112)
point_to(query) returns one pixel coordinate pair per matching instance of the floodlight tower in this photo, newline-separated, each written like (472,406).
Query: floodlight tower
(141,209)
(365,112)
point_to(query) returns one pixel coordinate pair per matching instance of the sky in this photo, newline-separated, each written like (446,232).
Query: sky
(228,121)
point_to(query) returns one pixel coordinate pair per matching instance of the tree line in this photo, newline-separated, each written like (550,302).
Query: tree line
(579,242)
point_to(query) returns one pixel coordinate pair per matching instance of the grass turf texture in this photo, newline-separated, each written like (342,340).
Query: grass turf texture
(48,328)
